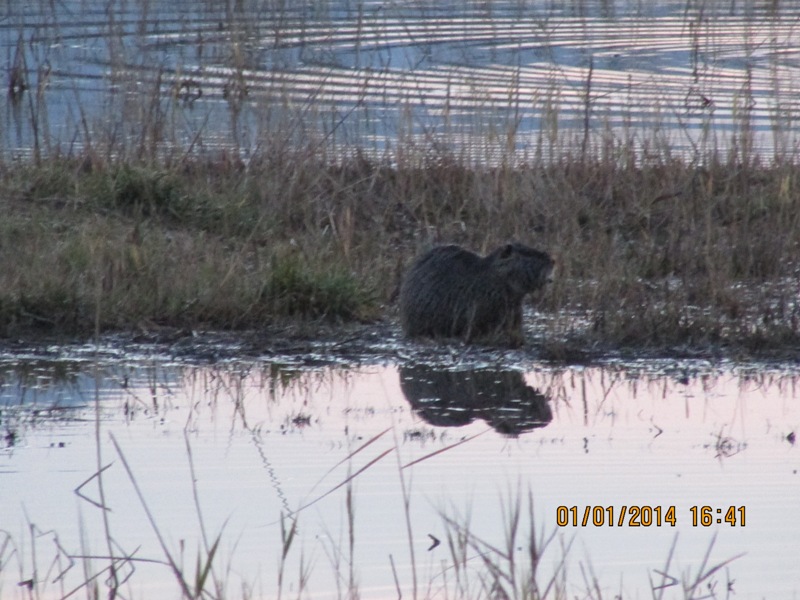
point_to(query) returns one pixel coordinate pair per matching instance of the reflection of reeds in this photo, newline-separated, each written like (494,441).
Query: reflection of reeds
(517,558)
(524,563)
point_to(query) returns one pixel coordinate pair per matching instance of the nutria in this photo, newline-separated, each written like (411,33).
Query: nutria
(452,292)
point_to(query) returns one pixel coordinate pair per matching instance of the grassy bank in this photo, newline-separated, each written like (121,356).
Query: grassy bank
(674,220)
(650,254)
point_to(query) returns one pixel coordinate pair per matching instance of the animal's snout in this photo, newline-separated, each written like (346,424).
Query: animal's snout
(550,273)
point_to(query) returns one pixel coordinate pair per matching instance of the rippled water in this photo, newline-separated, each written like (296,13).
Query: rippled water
(486,79)
(264,440)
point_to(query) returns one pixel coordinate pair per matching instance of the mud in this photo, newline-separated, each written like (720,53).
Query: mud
(381,342)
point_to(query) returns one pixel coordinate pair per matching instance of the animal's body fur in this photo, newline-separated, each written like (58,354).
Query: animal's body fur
(452,292)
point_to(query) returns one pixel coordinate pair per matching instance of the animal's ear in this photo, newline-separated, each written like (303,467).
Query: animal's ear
(507,250)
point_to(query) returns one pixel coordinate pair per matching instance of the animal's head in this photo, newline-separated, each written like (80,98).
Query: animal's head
(525,268)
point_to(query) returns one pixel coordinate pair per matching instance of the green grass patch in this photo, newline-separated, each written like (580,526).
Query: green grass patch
(293,289)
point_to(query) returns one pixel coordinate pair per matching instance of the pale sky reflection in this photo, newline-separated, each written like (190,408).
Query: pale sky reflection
(264,442)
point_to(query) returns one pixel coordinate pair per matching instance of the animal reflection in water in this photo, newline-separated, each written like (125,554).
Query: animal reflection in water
(454,398)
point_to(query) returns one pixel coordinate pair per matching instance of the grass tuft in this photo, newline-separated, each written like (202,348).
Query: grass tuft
(293,289)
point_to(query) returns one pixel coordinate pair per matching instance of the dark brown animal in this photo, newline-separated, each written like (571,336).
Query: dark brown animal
(452,292)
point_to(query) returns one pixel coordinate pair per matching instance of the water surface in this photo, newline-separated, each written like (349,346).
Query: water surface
(490,80)
(264,441)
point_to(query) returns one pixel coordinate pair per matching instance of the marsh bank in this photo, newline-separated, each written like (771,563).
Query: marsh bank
(668,257)
(229,167)
(206,207)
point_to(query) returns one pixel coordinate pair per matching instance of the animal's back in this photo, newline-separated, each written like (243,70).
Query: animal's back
(434,288)
(452,292)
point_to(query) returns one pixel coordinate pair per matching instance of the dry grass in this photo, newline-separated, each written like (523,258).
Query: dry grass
(136,225)
(653,255)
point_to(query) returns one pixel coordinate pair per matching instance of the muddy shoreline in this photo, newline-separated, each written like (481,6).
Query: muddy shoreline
(325,344)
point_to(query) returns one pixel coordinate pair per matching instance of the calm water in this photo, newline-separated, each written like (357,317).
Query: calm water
(488,79)
(263,440)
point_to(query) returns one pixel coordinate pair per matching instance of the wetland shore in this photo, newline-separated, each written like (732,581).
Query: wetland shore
(207,210)
(173,178)
(661,258)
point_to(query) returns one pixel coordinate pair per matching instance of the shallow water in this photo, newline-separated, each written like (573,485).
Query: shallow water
(485,79)
(261,440)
